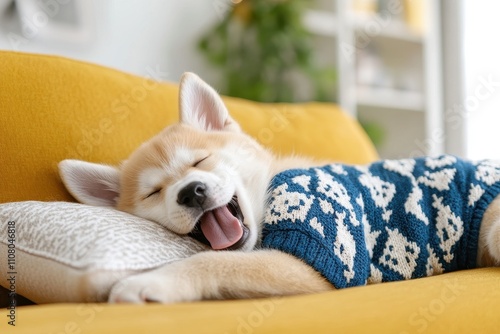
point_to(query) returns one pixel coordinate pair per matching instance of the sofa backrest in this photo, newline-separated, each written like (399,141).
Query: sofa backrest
(53,108)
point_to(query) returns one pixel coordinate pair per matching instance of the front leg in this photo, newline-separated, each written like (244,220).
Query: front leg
(222,275)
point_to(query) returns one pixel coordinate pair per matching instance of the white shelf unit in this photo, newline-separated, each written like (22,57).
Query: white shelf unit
(388,73)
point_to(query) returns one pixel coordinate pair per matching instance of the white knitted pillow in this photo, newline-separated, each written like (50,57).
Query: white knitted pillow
(68,252)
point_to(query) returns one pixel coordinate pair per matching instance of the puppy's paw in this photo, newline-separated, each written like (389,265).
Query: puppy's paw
(155,286)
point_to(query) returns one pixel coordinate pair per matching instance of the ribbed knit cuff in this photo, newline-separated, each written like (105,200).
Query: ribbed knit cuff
(311,250)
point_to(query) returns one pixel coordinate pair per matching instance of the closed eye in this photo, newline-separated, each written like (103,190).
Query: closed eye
(199,161)
(156,191)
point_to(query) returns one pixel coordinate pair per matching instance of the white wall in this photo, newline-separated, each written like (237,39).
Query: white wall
(482,78)
(132,35)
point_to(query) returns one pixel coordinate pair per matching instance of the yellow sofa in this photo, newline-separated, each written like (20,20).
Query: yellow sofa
(53,108)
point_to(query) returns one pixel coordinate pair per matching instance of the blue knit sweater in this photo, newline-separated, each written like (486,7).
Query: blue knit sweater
(388,221)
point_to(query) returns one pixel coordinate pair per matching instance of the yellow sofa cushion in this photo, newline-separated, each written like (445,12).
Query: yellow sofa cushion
(53,108)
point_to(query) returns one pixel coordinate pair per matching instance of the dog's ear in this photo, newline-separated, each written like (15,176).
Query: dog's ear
(90,183)
(201,107)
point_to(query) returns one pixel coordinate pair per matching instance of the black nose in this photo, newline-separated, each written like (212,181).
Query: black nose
(192,195)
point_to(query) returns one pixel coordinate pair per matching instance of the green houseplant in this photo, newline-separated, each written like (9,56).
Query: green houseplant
(263,51)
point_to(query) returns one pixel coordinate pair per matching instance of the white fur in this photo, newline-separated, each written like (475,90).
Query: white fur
(182,156)
(150,179)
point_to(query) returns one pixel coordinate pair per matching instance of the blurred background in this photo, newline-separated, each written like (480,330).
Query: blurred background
(422,76)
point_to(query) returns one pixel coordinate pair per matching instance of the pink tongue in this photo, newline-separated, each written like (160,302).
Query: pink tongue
(221,228)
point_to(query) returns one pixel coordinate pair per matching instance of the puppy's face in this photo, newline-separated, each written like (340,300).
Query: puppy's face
(201,177)
(209,184)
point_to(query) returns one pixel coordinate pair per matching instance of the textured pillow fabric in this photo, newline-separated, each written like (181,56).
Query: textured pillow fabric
(53,108)
(68,252)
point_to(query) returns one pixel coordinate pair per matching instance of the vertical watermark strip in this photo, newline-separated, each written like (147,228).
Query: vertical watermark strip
(11,272)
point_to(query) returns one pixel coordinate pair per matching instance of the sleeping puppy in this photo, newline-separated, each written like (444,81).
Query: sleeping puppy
(281,225)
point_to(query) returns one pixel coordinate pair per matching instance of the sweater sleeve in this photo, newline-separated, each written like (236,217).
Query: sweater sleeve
(303,218)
